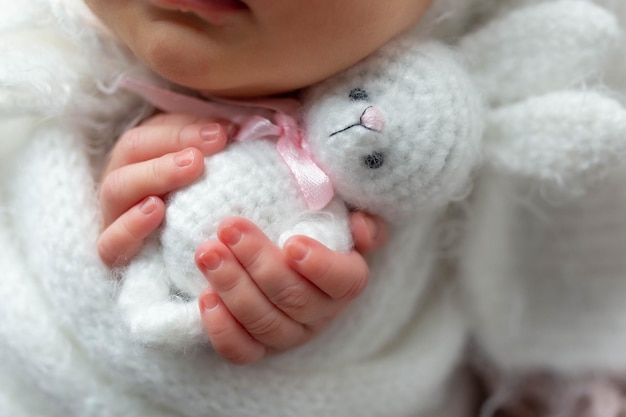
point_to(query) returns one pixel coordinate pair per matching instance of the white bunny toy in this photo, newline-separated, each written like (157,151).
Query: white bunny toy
(544,259)
(397,135)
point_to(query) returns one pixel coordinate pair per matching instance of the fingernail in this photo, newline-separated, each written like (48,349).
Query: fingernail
(210,133)
(230,235)
(297,251)
(209,301)
(185,158)
(210,261)
(148,205)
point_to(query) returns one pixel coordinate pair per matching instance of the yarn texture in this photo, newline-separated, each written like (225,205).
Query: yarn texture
(65,342)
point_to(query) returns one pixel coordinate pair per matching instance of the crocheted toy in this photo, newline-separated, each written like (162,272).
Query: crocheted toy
(397,135)
(544,259)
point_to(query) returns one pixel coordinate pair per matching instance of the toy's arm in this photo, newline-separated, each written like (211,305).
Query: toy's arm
(540,48)
(153,315)
(330,226)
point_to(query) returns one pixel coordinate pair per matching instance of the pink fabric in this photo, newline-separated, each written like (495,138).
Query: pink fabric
(272,118)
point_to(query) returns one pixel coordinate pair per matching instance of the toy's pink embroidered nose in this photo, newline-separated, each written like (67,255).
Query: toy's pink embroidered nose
(372,119)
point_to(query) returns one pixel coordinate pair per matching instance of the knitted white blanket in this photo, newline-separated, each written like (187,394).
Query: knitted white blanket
(63,350)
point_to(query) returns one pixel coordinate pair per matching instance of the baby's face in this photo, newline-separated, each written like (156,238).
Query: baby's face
(254,47)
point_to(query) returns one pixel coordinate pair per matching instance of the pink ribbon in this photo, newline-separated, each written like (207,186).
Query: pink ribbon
(271,118)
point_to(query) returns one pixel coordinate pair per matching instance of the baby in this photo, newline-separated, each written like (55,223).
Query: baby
(244,334)
(393,351)
(237,49)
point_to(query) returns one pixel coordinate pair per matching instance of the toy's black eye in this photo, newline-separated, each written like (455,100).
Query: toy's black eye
(374,160)
(358,94)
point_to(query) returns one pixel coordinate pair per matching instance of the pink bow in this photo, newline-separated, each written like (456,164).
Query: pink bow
(256,119)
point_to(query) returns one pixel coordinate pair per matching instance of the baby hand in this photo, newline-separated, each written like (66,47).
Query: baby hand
(263,299)
(161,155)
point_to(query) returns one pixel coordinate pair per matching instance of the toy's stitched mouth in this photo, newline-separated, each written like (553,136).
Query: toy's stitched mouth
(371,119)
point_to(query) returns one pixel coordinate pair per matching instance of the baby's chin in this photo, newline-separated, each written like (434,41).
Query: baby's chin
(239,90)
(244,86)
(248,91)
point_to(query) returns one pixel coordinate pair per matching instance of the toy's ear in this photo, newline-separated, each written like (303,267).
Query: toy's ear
(566,140)
(540,48)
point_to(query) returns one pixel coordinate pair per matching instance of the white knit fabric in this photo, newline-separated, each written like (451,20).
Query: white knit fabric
(65,348)
(544,258)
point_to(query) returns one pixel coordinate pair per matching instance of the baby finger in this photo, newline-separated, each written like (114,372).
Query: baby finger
(125,236)
(227,336)
(342,276)
(263,321)
(147,142)
(265,264)
(124,187)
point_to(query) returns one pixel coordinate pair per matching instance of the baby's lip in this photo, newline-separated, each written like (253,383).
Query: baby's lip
(226,4)
(213,11)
